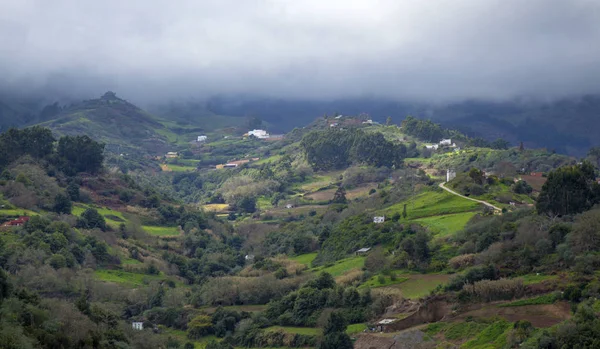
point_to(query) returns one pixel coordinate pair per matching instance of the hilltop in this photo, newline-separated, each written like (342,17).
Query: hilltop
(113,121)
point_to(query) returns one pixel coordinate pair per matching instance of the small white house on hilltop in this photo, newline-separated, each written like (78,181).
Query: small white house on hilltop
(202,138)
(378,219)
(431,146)
(450,175)
(137,325)
(261,134)
(446,142)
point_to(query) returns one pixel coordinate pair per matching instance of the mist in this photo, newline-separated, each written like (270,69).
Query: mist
(438,50)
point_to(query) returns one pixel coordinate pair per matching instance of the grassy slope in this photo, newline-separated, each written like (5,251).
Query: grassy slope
(126,278)
(433,203)
(161,231)
(342,266)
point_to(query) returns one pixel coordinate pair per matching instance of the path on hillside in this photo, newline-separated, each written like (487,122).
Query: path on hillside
(442,185)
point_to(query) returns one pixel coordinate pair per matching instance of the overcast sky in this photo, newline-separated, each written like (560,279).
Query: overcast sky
(417,49)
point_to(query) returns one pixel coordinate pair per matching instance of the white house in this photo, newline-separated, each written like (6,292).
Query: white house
(450,175)
(431,146)
(370,122)
(378,219)
(362,251)
(202,138)
(446,142)
(136,325)
(249,257)
(289,206)
(172,154)
(261,134)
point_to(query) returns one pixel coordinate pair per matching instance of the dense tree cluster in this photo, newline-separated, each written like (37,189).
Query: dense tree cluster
(336,149)
(569,190)
(73,154)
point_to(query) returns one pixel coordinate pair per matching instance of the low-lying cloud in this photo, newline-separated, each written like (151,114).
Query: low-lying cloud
(427,50)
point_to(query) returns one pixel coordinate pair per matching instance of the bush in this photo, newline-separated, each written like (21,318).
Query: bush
(462,261)
(471,276)
(493,290)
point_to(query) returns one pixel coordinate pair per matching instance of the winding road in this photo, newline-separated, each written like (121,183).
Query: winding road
(442,185)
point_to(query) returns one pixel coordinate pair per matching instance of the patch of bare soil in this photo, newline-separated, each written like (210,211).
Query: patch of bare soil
(540,315)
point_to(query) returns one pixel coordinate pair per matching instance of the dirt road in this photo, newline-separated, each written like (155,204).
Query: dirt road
(442,185)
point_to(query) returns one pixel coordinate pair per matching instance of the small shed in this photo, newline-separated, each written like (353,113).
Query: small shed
(362,251)
(137,325)
(288,206)
(381,324)
(378,219)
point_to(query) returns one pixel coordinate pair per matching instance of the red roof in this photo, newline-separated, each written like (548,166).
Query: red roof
(16,222)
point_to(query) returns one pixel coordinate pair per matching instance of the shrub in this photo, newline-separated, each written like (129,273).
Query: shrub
(492,290)
(462,261)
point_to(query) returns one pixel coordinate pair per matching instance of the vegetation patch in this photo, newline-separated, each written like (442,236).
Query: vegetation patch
(543,299)
(342,266)
(125,277)
(305,259)
(446,225)
(308,331)
(161,231)
(420,285)
(433,203)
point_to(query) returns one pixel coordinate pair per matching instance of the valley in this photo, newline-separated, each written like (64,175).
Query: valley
(212,237)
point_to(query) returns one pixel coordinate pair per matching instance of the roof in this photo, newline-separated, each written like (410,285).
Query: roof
(386,321)
(364,249)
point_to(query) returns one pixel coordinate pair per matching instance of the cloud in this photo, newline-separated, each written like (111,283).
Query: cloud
(429,50)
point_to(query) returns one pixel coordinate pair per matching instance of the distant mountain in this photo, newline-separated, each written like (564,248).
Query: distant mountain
(567,126)
(122,126)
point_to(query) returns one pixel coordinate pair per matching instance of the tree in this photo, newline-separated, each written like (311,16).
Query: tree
(340,196)
(62,204)
(593,156)
(334,332)
(521,147)
(5,287)
(91,219)
(73,190)
(388,121)
(404,214)
(200,326)
(500,144)
(247,204)
(569,190)
(522,187)
(376,260)
(335,323)
(80,154)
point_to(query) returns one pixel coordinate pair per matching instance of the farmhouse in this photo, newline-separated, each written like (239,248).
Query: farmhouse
(172,155)
(362,251)
(137,325)
(260,134)
(432,146)
(446,142)
(202,139)
(16,222)
(378,219)
(289,206)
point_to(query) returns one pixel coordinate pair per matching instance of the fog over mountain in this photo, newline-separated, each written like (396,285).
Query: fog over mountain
(153,50)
